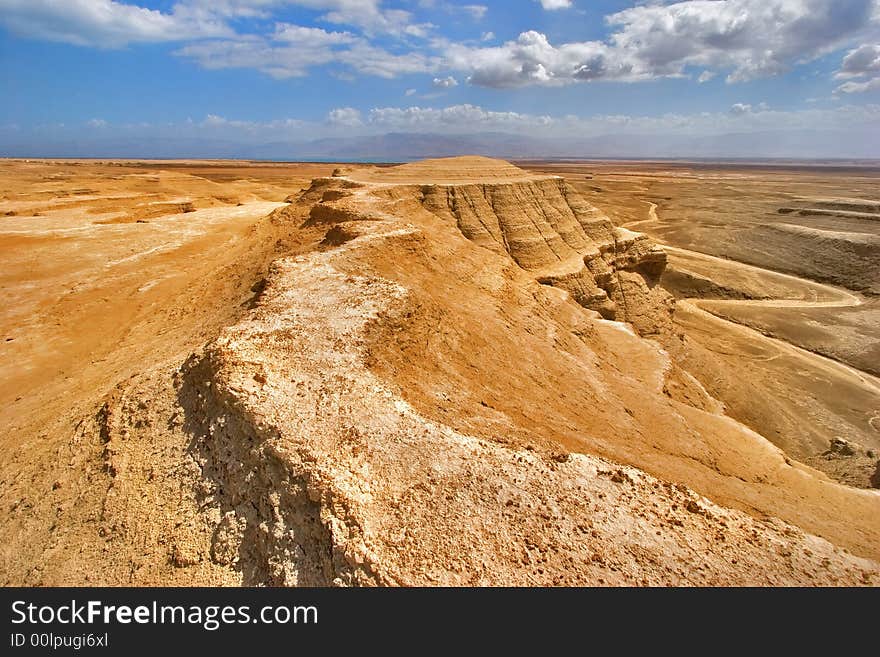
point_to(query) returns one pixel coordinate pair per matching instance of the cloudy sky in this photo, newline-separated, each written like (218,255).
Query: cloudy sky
(253,71)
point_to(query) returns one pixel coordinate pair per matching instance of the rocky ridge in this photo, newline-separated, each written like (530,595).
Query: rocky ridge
(542,223)
(324,462)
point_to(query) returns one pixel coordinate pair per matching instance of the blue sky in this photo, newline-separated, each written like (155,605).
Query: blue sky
(262,70)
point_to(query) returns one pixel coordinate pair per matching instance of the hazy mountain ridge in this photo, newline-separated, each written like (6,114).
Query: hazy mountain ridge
(398,146)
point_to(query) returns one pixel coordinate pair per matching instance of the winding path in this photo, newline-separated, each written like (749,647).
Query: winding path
(839,298)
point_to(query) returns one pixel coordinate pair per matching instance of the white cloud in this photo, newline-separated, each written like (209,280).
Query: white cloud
(859,87)
(293,50)
(445,83)
(96,123)
(751,38)
(216,121)
(279,61)
(532,59)
(372,60)
(467,118)
(114,24)
(213,120)
(477,12)
(861,61)
(347,117)
(552,5)
(863,64)
(844,130)
(739,109)
(105,23)
(367,15)
(745,38)
(410,92)
(311,37)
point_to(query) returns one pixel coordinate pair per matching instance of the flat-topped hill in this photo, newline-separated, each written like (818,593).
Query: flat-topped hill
(447,171)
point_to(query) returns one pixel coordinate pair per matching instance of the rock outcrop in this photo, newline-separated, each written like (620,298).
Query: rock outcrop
(541,223)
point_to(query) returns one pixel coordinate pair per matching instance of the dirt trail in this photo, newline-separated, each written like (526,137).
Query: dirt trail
(839,298)
(715,321)
(845,300)
(652,216)
(831,366)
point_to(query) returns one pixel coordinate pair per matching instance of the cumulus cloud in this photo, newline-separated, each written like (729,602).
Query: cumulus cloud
(311,37)
(738,109)
(532,59)
(96,123)
(105,23)
(861,61)
(113,24)
(552,5)
(753,38)
(745,38)
(279,61)
(206,28)
(445,83)
(843,130)
(373,60)
(859,87)
(293,50)
(369,16)
(742,39)
(217,122)
(346,117)
(858,64)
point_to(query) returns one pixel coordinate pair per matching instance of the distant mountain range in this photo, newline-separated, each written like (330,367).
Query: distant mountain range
(396,147)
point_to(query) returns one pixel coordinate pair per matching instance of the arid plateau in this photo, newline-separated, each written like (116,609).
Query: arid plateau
(460,371)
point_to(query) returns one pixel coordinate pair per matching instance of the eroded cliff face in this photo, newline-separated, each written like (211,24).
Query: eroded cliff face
(544,226)
(551,231)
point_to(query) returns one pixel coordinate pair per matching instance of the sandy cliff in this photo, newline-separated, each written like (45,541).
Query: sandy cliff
(541,223)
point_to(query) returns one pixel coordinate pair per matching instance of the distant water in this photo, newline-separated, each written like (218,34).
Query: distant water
(333,160)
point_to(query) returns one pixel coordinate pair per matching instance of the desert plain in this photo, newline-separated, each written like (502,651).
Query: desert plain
(452,372)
